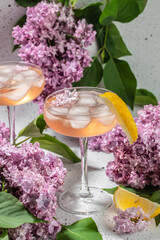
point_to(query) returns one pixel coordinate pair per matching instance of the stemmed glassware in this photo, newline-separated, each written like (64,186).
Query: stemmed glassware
(80,112)
(20,82)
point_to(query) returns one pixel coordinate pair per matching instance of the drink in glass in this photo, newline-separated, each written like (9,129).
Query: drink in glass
(80,112)
(20,83)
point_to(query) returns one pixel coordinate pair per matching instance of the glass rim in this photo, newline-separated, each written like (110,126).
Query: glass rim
(3,63)
(102,90)
(72,88)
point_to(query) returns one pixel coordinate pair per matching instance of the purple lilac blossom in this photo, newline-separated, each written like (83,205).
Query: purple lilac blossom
(67,98)
(131,220)
(35,176)
(54,40)
(4,131)
(136,165)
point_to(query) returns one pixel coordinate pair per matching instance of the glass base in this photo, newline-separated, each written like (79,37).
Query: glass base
(96,203)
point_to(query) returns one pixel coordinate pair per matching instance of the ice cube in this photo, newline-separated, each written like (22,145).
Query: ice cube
(3,79)
(98,109)
(39,82)
(99,100)
(89,101)
(18,77)
(79,110)
(58,110)
(30,74)
(50,116)
(80,122)
(79,117)
(17,94)
(85,94)
(6,70)
(105,118)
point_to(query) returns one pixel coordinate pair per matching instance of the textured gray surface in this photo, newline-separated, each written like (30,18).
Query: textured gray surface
(142,38)
(10,12)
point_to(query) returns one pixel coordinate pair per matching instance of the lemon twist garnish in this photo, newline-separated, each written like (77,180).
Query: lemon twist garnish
(123,115)
(124,199)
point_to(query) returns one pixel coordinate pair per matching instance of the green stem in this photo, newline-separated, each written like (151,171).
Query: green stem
(105,39)
(3,184)
(105,42)
(6,190)
(103,48)
(22,141)
(105,1)
(14,143)
(97,53)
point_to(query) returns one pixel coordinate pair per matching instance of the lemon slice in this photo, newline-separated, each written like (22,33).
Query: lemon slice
(123,115)
(124,199)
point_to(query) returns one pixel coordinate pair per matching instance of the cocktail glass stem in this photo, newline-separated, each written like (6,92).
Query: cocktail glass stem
(84,200)
(84,192)
(11,120)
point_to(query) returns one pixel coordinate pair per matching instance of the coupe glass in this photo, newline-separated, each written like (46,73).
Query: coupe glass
(87,117)
(20,82)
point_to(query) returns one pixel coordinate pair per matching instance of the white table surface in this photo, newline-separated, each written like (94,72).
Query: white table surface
(97,162)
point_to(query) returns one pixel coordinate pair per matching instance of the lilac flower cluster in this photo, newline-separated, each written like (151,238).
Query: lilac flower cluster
(67,98)
(131,220)
(35,177)
(54,40)
(37,231)
(4,131)
(138,164)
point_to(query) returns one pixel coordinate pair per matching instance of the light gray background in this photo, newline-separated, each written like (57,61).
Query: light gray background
(142,38)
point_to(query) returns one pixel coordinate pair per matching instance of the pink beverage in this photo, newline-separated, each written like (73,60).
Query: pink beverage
(19,83)
(80,112)
(87,116)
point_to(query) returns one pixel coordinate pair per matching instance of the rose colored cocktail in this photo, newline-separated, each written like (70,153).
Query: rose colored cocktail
(20,83)
(80,112)
(87,117)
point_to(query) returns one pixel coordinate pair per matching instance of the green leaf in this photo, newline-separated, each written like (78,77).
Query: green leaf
(144,97)
(15,47)
(21,21)
(4,235)
(28,3)
(91,13)
(150,192)
(119,10)
(92,76)
(52,144)
(157,220)
(73,2)
(101,40)
(115,43)
(156,196)
(84,229)
(111,43)
(146,192)
(119,78)
(130,189)
(40,123)
(34,129)
(141,4)
(64,2)
(13,213)
(110,190)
